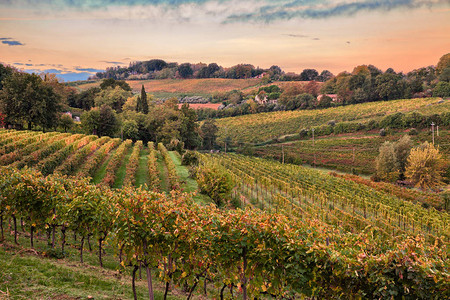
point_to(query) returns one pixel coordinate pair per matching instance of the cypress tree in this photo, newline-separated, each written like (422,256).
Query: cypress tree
(144,104)
(138,104)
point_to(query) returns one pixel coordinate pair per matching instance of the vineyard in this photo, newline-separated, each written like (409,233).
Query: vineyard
(299,232)
(106,161)
(348,152)
(258,128)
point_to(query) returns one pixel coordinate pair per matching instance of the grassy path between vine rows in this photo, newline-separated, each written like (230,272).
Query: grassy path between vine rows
(122,170)
(101,171)
(162,173)
(188,184)
(31,274)
(142,171)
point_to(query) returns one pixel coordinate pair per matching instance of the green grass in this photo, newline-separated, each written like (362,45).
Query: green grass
(142,171)
(162,173)
(100,172)
(188,184)
(30,274)
(121,172)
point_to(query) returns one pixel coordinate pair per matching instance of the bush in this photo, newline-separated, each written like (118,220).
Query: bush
(414,119)
(393,121)
(189,158)
(176,145)
(346,127)
(424,167)
(445,119)
(387,164)
(214,181)
(413,131)
(303,133)
(331,122)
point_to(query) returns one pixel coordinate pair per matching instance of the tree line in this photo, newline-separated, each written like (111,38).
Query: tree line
(160,69)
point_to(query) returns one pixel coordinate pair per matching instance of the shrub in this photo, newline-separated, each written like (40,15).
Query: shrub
(393,121)
(214,181)
(413,131)
(386,163)
(303,133)
(445,118)
(189,158)
(175,145)
(424,166)
(331,122)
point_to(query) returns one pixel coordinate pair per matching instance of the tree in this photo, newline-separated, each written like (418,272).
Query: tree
(208,132)
(85,99)
(100,121)
(185,70)
(308,75)
(65,121)
(425,166)
(113,97)
(386,163)
(444,63)
(189,130)
(442,89)
(130,130)
(26,98)
(388,86)
(112,83)
(5,71)
(402,148)
(142,104)
(325,76)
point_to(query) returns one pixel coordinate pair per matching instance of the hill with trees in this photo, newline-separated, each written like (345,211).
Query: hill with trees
(110,178)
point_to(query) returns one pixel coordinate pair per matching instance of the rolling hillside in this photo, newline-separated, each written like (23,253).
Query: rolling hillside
(186,86)
(258,128)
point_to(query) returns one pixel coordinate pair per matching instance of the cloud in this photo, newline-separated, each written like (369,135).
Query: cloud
(10,42)
(304,9)
(207,11)
(302,36)
(296,35)
(92,70)
(113,62)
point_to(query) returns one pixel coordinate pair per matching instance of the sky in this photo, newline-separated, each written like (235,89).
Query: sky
(76,38)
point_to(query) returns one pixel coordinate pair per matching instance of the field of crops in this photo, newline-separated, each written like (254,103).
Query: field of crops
(258,128)
(107,161)
(354,152)
(271,185)
(300,232)
(316,235)
(187,86)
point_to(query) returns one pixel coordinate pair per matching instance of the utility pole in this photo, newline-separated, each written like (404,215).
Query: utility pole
(313,136)
(282,151)
(432,130)
(353,154)
(437,130)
